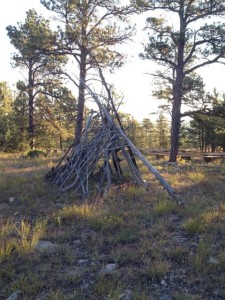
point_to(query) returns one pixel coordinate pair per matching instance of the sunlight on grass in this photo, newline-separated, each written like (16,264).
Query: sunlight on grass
(28,236)
(195,176)
(20,239)
(75,212)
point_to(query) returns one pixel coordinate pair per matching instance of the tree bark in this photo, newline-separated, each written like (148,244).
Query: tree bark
(31,109)
(60,141)
(178,88)
(176,116)
(81,97)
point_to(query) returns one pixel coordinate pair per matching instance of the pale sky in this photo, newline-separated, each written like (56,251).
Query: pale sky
(131,80)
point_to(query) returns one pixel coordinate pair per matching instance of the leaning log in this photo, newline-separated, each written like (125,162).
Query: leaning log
(134,149)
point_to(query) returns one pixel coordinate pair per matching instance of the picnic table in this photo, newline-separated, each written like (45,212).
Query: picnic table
(185,155)
(212,157)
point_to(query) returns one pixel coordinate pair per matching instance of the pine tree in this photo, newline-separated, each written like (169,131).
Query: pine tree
(29,39)
(8,128)
(183,39)
(89,33)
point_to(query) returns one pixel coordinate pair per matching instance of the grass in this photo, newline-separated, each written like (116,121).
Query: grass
(157,247)
(19,239)
(164,207)
(200,258)
(194,225)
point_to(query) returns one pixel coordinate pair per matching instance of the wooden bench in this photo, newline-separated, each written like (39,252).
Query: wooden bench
(211,158)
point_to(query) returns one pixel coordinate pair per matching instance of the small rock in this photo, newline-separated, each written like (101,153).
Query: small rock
(108,268)
(77,242)
(82,261)
(11,199)
(46,246)
(213,260)
(163,282)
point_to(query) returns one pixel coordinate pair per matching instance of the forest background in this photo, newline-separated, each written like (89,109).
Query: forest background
(133,83)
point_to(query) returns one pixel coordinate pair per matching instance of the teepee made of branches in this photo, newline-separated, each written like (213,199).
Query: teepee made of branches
(95,163)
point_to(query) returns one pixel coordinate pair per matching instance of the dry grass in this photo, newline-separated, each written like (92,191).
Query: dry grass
(156,247)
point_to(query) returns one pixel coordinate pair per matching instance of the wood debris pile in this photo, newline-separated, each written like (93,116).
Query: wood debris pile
(97,158)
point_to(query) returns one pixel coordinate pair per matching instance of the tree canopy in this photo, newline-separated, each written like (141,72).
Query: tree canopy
(42,72)
(89,32)
(182,39)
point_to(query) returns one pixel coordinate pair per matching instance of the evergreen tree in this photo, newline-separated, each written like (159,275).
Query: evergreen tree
(182,39)
(91,29)
(162,131)
(207,129)
(8,128)
(56,116)
(21,117)
(42,71)
(149,136)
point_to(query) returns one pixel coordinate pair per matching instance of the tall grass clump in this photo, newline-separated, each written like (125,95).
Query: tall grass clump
(77,212)
(20,239)
(200,258)
(164,207)
(28,236)
(194,225)
(157,269)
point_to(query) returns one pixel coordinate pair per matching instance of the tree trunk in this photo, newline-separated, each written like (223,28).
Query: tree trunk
(175,130)
(31,110)
(178,89)
(60,141)
(176,115)
(81,98)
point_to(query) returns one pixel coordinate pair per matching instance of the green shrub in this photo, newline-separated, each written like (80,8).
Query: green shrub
(107,223)
(157,270)
(164,207)
(200,258)
(35,153)
(194,225)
